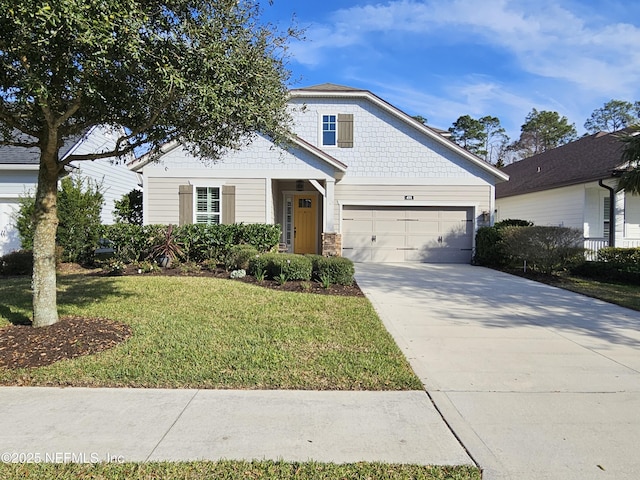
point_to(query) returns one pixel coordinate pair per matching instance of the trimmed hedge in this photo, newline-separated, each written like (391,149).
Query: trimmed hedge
(294,267)
(199,242)
(606,272)
(624,259)
(17,263)
(489,247)
(545,249)
(337,270)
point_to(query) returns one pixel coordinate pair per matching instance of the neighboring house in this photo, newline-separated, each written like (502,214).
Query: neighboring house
(573,186)
(19,178)
(361,179)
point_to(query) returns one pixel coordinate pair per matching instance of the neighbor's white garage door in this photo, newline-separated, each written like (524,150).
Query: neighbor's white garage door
(414,234)
(9,240)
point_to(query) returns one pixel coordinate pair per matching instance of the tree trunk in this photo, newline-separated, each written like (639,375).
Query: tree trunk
(45,308)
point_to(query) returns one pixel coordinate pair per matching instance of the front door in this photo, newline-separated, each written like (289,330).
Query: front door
(305,223)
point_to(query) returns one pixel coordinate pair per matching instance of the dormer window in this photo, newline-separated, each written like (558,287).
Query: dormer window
(337,130)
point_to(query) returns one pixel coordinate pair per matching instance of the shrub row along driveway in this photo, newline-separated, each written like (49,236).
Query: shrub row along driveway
(537,382)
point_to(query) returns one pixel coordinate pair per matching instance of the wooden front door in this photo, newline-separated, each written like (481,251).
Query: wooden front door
(305,223)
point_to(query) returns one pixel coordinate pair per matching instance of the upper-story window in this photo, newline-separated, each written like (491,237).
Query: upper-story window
(337,130)
(329,130)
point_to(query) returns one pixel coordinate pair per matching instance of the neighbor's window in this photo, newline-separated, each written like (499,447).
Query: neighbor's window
(606,224)
(208,205)
(329,129)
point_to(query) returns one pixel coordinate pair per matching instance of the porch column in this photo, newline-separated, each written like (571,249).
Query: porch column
(329,206)
(268,201)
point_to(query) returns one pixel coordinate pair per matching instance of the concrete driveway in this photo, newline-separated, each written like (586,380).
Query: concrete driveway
(536,382)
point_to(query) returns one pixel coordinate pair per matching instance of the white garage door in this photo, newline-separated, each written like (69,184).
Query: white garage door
(414,234)
(9,240)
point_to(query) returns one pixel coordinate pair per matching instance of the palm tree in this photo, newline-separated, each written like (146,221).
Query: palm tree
(630,179)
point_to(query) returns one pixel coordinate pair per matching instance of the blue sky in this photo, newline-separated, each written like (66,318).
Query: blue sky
(445,58)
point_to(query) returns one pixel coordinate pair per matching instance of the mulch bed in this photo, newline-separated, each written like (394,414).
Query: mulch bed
(22,346)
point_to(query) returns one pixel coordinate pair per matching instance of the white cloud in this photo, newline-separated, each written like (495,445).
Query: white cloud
(544,38)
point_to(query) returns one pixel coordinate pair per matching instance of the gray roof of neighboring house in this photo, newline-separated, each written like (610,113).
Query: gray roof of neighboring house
(331,87)
(588,159)
(30,156)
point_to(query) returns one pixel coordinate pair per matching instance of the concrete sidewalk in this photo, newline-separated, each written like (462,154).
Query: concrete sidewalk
(89,425)
(537,382)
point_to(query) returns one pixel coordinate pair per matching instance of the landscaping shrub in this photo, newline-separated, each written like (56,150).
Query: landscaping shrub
(489,249)
(545,249)
(17,263)
(79,205)
(335,270)
(199,242)
(292,266)
(129,208)
(606,272)
(238,257)
(623,259)
(131,242)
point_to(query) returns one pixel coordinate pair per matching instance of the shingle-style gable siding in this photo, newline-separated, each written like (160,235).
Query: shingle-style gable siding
(260,155)
(383,145)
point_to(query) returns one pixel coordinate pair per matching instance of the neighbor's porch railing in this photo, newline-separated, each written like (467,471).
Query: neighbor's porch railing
(592,245)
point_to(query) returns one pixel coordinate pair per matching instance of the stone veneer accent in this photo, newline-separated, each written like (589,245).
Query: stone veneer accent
(332,244)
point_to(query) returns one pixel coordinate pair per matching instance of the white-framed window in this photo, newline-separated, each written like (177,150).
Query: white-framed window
(606,217)
(208,205)
(329,130)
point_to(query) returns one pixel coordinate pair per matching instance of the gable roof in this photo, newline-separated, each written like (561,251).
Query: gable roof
(138,163)
(10,155)
(330,90)
(590,158)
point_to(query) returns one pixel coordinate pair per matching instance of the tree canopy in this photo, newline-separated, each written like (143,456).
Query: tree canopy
(542,131)
(484,137)
(207,73)
(613,116)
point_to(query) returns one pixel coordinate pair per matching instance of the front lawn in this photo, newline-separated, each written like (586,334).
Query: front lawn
(266,470)
(191,332)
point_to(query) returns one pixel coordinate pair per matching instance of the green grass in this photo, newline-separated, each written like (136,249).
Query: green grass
(620,294)
(236,470)
(191,332)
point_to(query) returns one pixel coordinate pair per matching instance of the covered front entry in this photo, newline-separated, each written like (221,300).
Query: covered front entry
(406,234)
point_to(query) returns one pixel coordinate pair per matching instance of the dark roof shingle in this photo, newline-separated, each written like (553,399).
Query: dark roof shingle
(590,158)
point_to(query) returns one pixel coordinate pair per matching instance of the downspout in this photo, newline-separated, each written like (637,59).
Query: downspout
(612,210)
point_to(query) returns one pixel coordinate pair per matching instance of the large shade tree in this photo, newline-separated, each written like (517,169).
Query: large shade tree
(207,73)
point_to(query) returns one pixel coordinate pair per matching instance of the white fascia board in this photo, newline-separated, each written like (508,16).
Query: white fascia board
(436,181)
(155,172)
(19,166)
(407,119)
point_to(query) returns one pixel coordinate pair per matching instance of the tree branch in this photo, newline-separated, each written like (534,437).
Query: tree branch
(11,143)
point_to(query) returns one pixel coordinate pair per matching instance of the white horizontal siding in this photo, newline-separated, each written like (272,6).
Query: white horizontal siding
(112,175)
(161,198)
(16,183)
(560,206)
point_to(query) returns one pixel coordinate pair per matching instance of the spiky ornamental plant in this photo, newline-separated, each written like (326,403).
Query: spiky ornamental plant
(206,73)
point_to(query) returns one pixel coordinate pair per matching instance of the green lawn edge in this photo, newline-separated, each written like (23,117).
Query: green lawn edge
(227,469)
(195,332)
